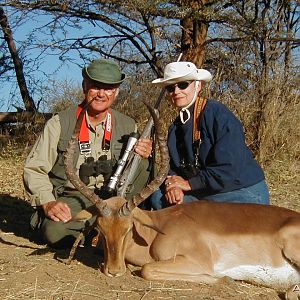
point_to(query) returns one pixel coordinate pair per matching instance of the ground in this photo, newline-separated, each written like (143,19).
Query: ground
(30,270)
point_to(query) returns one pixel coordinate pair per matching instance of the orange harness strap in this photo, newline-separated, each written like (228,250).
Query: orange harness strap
(84,135)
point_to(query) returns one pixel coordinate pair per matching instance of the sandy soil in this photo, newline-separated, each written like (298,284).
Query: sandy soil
(30,270)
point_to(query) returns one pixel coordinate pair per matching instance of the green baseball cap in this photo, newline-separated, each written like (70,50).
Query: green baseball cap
(104,71)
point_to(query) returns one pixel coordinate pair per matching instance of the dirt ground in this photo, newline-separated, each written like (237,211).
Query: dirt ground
(30,270)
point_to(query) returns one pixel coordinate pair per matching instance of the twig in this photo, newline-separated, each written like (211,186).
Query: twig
(73,292)
(35,285)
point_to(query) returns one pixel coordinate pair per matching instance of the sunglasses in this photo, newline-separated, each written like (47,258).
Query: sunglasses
(181,85)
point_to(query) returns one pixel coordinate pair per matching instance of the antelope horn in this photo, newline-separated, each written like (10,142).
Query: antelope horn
(162,173)
(71,173)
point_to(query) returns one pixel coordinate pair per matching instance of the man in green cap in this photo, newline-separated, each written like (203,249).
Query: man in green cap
(103,136)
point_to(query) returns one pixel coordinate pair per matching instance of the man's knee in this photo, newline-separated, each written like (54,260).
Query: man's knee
(59,234)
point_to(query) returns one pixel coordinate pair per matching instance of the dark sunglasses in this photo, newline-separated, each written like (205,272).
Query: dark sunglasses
(181,85)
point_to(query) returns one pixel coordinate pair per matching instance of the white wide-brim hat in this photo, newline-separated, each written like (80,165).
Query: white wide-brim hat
(182,71)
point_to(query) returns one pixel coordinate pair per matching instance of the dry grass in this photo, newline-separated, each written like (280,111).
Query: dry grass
(284,183)
(32,271)
(270,119)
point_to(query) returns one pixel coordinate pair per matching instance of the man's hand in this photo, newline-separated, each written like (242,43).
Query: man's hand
(57,211)
(143,147)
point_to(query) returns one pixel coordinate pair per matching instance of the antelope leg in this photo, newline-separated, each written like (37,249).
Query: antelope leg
(178,268)
(74,247)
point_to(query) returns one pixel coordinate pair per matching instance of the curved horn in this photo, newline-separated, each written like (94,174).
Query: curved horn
(70,171)
(162,173)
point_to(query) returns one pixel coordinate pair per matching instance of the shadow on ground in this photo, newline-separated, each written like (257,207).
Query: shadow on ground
(15,216)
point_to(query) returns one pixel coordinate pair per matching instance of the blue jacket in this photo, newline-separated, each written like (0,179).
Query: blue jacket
(226,163)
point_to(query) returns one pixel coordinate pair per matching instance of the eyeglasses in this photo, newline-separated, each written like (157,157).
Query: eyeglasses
(108,90)
(181,85)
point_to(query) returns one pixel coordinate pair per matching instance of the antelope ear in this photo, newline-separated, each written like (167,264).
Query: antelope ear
(86,214)
(143,218)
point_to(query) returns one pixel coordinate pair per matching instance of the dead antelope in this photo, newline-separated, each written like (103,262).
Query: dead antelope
(199,242)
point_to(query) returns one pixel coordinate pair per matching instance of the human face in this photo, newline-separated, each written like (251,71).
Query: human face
(182,93)
(103,95)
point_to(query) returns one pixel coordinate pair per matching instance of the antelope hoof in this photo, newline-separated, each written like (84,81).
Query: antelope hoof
(226,280)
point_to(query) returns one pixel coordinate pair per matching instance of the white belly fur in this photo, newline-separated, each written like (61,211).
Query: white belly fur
(279,278)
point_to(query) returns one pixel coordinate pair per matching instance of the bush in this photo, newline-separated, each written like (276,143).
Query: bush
(270,115)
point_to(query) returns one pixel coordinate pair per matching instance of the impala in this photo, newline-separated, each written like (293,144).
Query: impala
(200,241)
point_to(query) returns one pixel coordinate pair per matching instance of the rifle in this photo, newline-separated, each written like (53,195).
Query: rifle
(128,175)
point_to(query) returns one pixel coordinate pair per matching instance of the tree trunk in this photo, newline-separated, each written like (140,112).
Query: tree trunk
(28,101)
(289,33)
(194,34)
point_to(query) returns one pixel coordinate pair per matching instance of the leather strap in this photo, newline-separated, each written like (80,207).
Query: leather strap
(198,112)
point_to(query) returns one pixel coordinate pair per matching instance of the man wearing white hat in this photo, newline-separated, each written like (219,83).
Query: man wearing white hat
(209,158)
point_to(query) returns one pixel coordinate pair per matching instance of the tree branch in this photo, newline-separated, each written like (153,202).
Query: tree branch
(25,116)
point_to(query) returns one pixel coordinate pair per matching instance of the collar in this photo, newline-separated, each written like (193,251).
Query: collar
(185,110)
